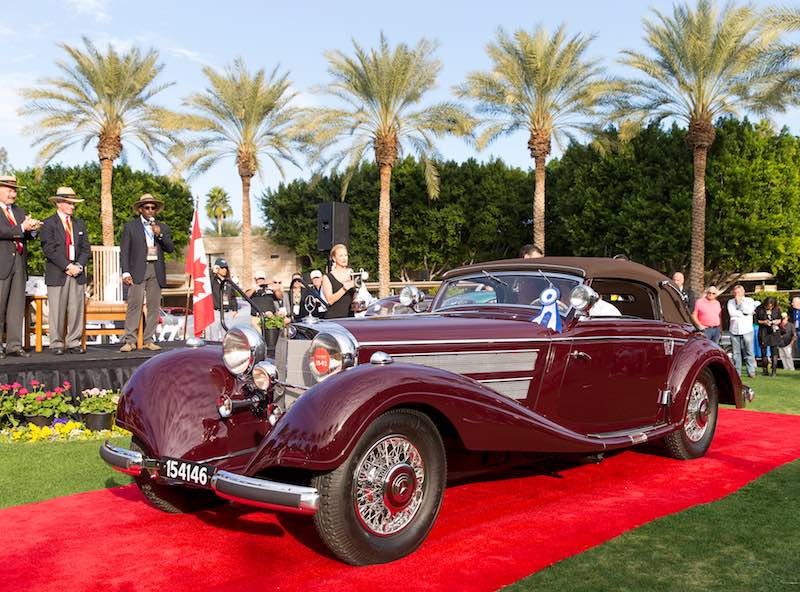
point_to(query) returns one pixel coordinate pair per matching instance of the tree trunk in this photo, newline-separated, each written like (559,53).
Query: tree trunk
(106,201)
(697,265)
(247,238)
(538,204)
(384,213)
(219,225)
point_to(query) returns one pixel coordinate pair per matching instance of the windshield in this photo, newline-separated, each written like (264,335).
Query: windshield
(503,288)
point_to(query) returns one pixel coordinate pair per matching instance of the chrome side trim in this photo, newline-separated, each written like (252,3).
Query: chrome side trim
(517,340)
(513,388)
(629,433)
(265,493)
(474,362)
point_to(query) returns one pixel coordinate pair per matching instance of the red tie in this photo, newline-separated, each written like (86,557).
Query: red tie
(10,215)
(68,229)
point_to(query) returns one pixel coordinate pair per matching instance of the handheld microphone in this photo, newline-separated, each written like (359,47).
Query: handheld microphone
(151,220)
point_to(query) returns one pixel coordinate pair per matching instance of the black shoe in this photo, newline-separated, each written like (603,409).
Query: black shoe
(75,350)
(20,353)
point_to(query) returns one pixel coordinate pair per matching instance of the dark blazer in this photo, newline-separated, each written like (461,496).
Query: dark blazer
(133,251)
(54,247)
(217,294)
(8,234)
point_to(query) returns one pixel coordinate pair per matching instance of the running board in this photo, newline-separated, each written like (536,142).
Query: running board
(636,436)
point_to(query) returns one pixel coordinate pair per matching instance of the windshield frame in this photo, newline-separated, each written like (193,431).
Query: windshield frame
(481,277)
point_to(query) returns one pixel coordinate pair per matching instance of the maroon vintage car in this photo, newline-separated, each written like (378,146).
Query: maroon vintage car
(360,422)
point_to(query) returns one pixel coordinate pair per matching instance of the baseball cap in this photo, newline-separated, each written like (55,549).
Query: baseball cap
(260,275)
(221,262)
(315,274)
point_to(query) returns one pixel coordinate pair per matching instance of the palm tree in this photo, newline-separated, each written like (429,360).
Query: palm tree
(708,62)
(381,90)
(245,117)
(544,85)
(104,97)
(218,207)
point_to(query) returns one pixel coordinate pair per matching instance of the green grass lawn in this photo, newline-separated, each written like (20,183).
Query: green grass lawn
(779,394)
(34,472)
(747,541)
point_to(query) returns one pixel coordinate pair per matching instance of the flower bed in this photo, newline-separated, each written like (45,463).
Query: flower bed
(34,413)
(61,430)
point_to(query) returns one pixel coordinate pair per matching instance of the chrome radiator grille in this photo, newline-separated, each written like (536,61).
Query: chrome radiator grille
(291,358)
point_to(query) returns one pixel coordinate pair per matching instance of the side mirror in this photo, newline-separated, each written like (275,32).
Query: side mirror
(411,296)
(583,298)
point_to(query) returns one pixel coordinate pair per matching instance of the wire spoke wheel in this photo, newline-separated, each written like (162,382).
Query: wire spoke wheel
(389,485)
(696,423)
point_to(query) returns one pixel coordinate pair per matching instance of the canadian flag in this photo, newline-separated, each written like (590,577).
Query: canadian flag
(197,267)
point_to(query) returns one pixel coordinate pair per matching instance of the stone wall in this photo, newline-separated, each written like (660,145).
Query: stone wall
(273,259)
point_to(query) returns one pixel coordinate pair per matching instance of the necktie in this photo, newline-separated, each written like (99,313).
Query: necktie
(10,215)
(68,231)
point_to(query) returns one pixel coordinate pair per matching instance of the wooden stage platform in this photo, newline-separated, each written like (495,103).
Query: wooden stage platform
(102,366)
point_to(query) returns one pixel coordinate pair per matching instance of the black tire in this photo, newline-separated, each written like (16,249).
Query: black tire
(342,520)
(174,499)
(697,431)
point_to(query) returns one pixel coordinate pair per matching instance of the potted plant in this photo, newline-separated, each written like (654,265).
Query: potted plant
(8,405)
(97,408)
(40,406)
(274,322)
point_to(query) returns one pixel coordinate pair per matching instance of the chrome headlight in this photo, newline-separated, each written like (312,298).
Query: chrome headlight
(242,348)
(583,297)
(330,353)
(411,296)
(265,375)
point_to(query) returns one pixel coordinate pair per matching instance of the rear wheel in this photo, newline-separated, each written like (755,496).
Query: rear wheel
(381,503)
(694,437)
(174,499)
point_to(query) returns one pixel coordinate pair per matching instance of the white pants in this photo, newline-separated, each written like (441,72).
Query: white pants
(786,357)
(215,332)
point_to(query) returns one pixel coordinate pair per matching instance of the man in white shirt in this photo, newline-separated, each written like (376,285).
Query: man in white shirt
(740,310)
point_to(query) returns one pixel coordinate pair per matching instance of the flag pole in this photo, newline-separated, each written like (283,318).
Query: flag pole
(189,291)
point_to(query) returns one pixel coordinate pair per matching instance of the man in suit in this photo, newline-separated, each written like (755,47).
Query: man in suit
(225,304)
(65,244)
(16,227)
(142,246)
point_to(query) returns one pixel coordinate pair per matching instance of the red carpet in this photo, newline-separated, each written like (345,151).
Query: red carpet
(488,534)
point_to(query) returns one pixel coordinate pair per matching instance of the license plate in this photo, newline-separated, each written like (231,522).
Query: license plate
(188,472)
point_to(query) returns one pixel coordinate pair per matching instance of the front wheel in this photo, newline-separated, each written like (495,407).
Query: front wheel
(381,503)
(694,437)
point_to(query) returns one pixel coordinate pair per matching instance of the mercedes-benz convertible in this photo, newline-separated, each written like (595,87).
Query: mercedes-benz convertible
(360,423)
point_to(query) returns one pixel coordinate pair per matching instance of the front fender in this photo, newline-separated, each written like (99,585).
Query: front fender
(698,354)
(170,405)
(321,428)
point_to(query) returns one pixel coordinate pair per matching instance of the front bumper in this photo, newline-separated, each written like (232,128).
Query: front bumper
(253,491)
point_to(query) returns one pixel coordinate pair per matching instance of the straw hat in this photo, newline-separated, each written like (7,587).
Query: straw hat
(147,198)
(65,194)
(10,181)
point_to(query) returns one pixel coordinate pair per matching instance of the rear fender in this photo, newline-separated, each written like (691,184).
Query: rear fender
(170,405)
(321,428)
(697,355)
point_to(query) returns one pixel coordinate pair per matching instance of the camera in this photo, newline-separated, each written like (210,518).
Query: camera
(359,277)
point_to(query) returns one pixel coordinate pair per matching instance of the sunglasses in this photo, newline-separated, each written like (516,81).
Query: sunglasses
(149,207)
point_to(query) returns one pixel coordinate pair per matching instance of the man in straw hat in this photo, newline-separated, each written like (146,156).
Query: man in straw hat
(142,246)
(16,227)
(65,244)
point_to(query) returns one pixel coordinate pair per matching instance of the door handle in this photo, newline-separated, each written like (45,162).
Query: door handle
(579,355)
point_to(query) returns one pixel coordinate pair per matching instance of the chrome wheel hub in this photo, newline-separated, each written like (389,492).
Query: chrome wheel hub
(388,485)
(697,412)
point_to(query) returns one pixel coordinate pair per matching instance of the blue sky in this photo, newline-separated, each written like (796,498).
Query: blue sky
(295,36)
